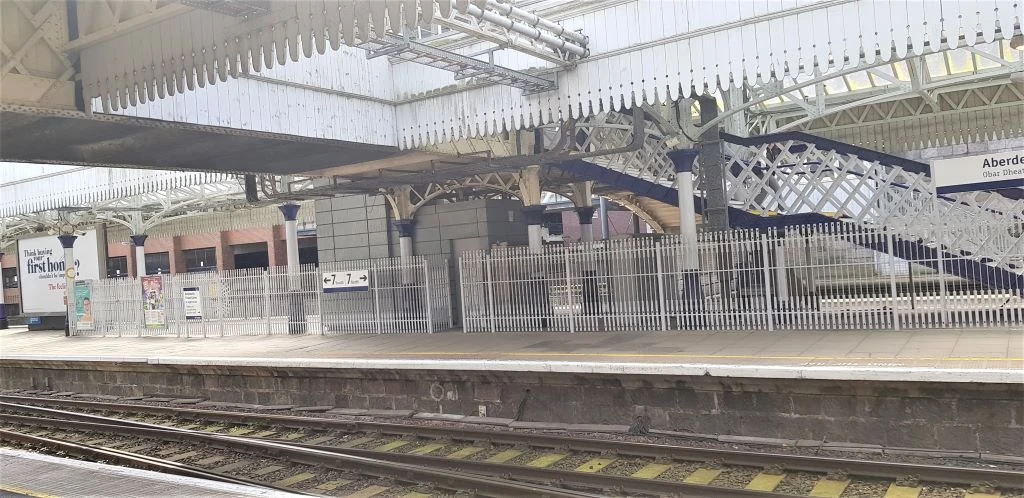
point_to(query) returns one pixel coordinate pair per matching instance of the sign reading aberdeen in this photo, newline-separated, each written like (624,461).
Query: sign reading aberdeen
(981,172)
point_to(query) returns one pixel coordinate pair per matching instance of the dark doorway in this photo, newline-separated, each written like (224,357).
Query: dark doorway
(308,255)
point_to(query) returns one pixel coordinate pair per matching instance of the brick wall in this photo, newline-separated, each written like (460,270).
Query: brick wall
(273,236)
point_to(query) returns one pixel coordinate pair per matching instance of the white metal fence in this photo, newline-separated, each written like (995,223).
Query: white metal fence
(828,277)
(402,296)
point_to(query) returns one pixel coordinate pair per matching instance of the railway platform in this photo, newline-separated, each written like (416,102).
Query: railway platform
(960,389)
(949,355)
(42,476)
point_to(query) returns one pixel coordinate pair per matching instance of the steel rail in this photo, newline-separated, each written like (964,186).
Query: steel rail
(864,468)
(630,485)
(531,474)
(135,460)
(459,481)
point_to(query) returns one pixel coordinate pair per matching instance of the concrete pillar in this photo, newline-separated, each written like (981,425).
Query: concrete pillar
(689,263)
(586,216)
(603,216)
(533,211)
(406,229)
(139,241)
(67,241)
(683,160)
(296,305)
(4,323)
(291,236)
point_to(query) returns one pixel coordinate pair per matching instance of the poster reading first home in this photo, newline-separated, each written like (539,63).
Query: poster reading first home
(154,301)
(43,276)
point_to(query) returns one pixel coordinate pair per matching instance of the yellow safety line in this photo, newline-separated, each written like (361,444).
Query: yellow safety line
(423,450)
(702,476)
(765,482)
(26,492)
(897,491)
(651,471)
(392,445)
(546,460)
(504,456)
(595,465)
(827,488)
(465,452)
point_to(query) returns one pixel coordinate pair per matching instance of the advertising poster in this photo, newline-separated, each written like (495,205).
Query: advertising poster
(83,306)
(193,303)
(43,273)
(154,301)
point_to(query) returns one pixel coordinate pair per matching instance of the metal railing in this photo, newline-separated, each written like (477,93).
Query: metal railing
(824,277)
(409,295)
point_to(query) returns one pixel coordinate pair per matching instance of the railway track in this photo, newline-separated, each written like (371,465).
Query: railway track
(274,465)
(601,465)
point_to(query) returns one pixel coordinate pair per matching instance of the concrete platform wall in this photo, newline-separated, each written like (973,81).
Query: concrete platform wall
(960,416)
(354,227)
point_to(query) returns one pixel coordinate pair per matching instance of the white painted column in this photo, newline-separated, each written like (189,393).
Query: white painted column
(4,323)
(534,219)
(296,305)
(67,241)
(139,241)
(406,229)
(291,234)
(683,160)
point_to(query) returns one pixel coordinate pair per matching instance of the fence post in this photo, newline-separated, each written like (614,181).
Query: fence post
(220,304)
(661,286)
(941,264)
(767,273)
(490,289)
(462,295)
(427,297)
(267,308)
(891,242)
(318,289)
(568,291)
(446,278)
(376,296)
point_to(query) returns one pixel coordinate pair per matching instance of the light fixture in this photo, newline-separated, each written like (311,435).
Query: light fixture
(1017,42)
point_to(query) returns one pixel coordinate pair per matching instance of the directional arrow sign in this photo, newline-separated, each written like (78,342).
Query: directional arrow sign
(346,281)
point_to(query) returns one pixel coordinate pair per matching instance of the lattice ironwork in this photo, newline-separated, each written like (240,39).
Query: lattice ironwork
(794,177)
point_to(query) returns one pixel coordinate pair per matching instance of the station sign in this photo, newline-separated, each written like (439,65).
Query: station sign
(346,281)
(192,301)
(979,172)
(44,279)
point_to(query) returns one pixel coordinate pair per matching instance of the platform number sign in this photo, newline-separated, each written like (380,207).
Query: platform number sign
(346,281)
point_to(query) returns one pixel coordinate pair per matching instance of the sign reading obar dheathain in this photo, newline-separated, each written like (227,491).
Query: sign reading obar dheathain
(346,281)
(980,172)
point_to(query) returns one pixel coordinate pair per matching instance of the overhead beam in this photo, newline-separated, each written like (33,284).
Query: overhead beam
(122,28)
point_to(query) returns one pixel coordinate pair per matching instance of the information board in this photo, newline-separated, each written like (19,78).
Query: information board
(346,281)
(192,301)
